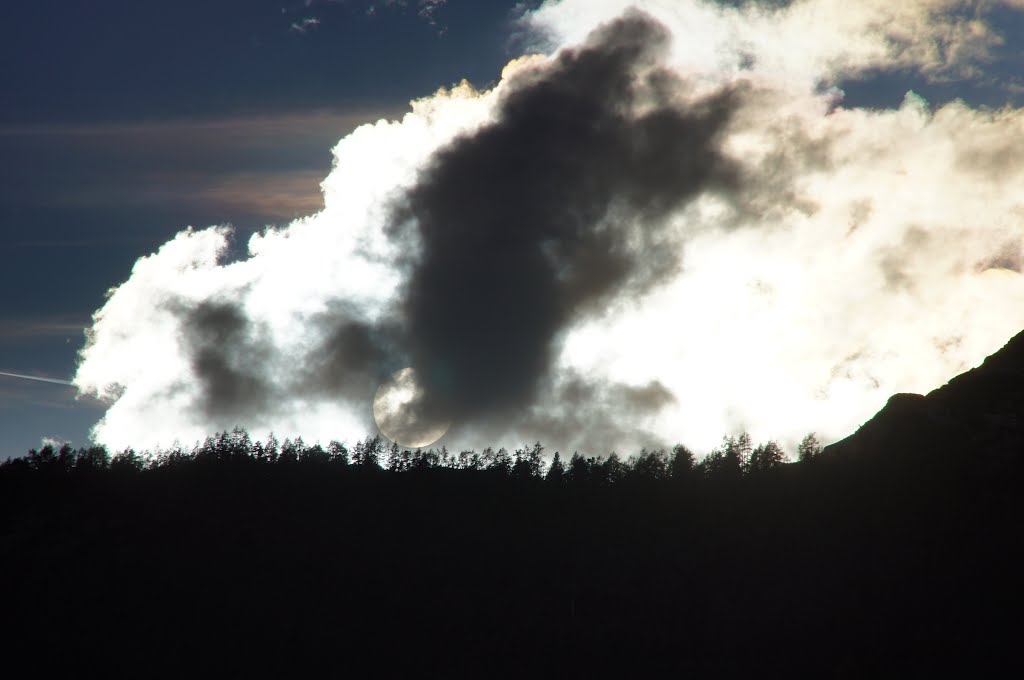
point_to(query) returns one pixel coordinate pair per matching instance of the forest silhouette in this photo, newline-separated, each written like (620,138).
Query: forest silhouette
(894,551)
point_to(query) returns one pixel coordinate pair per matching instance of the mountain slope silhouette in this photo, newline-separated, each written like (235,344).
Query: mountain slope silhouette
(980,411)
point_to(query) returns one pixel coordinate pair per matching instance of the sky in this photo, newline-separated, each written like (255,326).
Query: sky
(662,222)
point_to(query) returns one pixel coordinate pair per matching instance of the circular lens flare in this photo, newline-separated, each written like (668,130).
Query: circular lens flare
(398,419)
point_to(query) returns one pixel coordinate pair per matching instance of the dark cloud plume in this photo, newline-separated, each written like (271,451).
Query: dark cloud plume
(352,356)
(229,359)
(599,416)
(242,375)
(551,211)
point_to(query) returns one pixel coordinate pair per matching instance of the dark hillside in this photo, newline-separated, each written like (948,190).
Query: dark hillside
(896,551)
(978,413)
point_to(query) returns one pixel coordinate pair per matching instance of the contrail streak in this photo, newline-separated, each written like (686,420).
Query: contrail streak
(33,377)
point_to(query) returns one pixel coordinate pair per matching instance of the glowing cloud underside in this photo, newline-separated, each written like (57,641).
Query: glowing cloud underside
(830,257)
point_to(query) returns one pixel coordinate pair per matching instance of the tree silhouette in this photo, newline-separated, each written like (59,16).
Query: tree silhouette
(289,452)
(127,462)
(556,471)
(66,458)
(809,448)
(43,459)
(338,453)
(649,466)
(272,449)
(314,455)
(368,453)
(612,470)
(470,460)
(682,463)
(528,462)
(724,462)
(579,469)
(765,457)
(91,459)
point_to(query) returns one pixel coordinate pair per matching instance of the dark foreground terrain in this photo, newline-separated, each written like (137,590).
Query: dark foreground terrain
(896,551)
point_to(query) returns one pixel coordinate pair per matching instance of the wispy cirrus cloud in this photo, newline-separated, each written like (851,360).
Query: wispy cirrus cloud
(425,9)
(304,25)
(21,329)
(249,168)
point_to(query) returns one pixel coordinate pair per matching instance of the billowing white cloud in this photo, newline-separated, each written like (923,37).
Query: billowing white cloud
(138,356)
(865,253)
(802,43)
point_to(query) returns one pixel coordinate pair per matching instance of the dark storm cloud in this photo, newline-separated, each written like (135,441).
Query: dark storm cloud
(229,359)
(236,364)
(762,4)
(551,211)
(628,400)
(770,184)
(645,399)
(352,357)
(1010,256)
(598,417)
(240,373)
